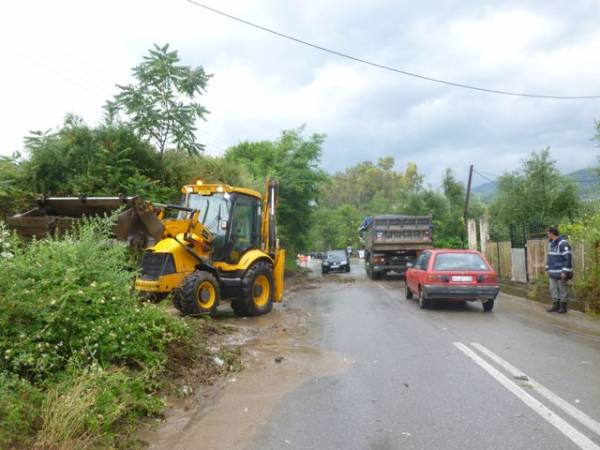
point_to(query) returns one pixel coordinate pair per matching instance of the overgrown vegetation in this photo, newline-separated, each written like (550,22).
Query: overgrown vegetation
(80,356)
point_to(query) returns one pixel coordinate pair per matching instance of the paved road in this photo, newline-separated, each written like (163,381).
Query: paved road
(447,378)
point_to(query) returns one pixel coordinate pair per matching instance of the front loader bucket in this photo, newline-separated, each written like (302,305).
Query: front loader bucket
(137,224)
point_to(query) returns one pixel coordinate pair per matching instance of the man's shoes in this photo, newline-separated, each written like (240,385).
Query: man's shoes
(563,307)
(555,307)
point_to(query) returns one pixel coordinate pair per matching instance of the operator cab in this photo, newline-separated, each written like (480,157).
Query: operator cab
(234,218)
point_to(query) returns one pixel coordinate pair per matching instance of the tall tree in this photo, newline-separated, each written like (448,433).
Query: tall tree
(294,160)
(535,196)
(160,105)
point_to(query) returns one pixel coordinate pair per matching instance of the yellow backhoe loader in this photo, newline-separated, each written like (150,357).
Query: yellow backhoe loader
(220,243)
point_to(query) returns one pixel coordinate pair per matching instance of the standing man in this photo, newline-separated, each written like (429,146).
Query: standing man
(560,270)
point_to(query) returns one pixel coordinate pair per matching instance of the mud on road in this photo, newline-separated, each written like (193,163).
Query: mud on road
(278,355)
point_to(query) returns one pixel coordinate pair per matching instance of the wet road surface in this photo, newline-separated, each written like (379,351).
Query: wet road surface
(448,378)
(349,363)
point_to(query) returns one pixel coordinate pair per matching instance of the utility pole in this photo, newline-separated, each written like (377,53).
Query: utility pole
(465,232)
(468,192)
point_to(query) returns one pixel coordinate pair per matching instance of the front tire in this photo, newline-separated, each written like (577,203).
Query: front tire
(257,292)
(199,294)
(407,292)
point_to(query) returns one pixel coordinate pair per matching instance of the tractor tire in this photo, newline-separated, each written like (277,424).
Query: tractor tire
(199,294)
(256,297)
(407,292)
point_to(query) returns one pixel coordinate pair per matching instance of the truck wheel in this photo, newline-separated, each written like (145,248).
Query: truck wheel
(488,306)
(199,294)
(407,292)
(257,292)
(424,302)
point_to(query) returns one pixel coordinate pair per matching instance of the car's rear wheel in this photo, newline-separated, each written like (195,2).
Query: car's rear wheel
(407,292)
(488,306)
(424,302)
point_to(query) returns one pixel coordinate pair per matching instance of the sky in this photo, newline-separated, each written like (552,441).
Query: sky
(66,56)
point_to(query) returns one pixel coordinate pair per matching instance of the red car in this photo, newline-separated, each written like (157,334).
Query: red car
(454,275)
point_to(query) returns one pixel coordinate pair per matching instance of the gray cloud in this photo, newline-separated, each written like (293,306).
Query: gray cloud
(263,84)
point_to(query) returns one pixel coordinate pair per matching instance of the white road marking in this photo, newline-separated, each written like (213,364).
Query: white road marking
(571,410)
(564,427)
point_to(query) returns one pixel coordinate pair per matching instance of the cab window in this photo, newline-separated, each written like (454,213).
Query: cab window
(245,232)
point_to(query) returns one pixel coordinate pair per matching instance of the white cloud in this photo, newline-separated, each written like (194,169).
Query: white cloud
(66,56)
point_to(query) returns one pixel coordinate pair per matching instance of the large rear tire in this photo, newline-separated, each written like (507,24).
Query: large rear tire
(199,294)
(257,292)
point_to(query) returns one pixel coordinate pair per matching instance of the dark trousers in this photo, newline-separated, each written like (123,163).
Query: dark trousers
(559,290)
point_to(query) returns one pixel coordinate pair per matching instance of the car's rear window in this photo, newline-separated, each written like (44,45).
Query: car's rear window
(459,261)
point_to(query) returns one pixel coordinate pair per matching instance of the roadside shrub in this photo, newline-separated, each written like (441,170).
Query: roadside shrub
(20,403)
(75,337)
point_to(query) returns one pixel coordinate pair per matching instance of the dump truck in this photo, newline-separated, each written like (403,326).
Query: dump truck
(219,243)
(393,241)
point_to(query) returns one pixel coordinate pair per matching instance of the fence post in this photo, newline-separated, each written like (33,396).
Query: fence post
(526,263)
(498,259)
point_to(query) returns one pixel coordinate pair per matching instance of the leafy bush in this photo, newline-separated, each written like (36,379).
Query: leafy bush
(71,321)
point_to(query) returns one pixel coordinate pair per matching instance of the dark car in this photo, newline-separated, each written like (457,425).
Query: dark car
(335,261)
(452,275)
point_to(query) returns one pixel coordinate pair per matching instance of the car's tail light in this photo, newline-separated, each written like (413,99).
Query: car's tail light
(437,278)
(489,278)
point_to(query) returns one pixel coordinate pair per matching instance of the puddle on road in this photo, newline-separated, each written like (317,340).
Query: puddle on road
(226,414)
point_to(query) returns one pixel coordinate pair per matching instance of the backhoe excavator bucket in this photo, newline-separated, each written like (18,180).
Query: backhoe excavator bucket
(137,223)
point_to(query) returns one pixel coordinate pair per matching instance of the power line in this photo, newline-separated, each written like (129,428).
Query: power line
(389,68)
(483,176)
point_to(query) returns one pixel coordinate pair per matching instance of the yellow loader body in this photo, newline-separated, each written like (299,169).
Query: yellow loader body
(221,245)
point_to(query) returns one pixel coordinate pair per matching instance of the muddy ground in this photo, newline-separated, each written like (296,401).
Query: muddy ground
(277,354)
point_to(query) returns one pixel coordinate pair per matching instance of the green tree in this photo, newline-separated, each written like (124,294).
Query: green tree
(78,159)
(295,161)
(160,106)
(14,192)
(536,195)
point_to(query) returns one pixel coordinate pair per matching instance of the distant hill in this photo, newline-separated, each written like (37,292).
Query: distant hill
(587,180)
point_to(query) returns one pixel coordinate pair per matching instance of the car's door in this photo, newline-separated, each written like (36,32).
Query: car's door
(422,272)
(412,275)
